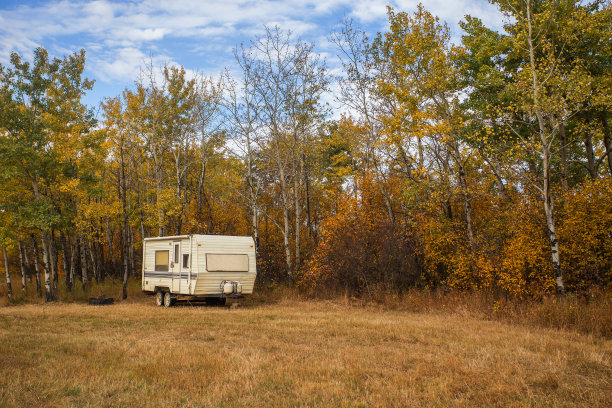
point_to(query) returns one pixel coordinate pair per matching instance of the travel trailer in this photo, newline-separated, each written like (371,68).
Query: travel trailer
(207,267)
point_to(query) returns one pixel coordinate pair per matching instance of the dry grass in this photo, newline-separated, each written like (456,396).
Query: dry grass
(110,288)
(587,313)
(291,353)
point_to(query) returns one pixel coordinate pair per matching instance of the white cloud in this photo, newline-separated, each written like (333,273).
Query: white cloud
(454,11)
(124,63)
(369,10)
(119,36)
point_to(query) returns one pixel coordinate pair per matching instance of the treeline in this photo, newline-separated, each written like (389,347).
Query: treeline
(481,165)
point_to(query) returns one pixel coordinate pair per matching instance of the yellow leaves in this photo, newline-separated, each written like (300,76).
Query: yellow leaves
(584,233)
(68,186)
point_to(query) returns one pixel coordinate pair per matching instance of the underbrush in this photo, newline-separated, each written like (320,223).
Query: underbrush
(108,288)
(589,313)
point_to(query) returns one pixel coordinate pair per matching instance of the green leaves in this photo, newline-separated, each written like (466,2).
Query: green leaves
(44,133)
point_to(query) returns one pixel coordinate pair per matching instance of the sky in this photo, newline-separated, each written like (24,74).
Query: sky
(120,36)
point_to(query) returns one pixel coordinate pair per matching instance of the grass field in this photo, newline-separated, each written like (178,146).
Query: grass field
(293,353)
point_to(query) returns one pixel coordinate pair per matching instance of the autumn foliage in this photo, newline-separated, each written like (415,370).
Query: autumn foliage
(360,250)
(481,163)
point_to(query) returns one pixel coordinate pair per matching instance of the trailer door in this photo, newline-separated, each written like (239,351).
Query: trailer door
(176,267)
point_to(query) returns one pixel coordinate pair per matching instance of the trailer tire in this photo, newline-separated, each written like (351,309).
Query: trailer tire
(168,301)
(159,298)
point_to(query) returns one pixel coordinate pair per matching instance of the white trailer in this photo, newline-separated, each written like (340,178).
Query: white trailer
(210,267)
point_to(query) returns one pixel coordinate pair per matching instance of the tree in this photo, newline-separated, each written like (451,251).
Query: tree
(358,95)
(288,79)
(545,91)
(42,118)
(420,82)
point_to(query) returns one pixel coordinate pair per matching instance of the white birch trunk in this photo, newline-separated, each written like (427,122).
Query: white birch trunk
(546,191)
(36,266)
(82,252)
(47,265)
(22,266)
(8,275)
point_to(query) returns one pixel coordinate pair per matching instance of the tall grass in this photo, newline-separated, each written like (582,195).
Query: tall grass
(108,288)
(588,313)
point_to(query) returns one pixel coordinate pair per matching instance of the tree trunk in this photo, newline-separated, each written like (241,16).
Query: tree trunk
(72,264)
(160,210)
(200,189)
(101,260)
(607,139)
(467,206)
(421,156)
(286,230)
(298,216)
(590,154)
(124,250)
(500,181)
(109,240)
(308,214)
(286,244)
(8,275)
(83,253)
(23,267)
(47,264)
(125,265)
(546,191)
(132,259)
(92,261)
(54,263)
(28,265)
(552,231)
(36,266)
(252,194)
(563,141)
(65,259)
(448,209)
(77,259)
(255,221)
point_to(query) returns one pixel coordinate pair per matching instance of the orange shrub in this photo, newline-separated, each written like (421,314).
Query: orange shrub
(360,247)
(585,235)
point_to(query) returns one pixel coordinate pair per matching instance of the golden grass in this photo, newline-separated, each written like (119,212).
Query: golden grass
(291,353)
(589,313)
(109,288)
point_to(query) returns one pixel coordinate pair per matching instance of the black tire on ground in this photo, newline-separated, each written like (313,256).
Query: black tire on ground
(159,298)
(168,301)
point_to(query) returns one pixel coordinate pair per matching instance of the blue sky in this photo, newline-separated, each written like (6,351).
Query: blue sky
(200,35)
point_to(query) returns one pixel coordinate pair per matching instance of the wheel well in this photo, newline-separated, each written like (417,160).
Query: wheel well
(161,289)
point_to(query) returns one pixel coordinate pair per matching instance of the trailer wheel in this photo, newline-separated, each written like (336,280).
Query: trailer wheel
(159,298)
(167,299)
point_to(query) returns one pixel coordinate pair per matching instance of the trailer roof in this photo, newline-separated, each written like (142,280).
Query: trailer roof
(168,237)
(173,237)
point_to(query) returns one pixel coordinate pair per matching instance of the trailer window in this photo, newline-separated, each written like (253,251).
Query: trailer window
(186,261)
(176,253)
(161,261)
(227,262)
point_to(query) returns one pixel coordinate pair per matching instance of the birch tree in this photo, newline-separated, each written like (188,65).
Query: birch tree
(419,75)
